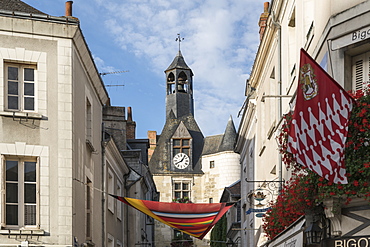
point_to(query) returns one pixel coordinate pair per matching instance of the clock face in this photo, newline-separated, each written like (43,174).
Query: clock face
(181,161)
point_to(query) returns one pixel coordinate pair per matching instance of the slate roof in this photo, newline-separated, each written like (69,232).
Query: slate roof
(221,143)
(234,189)
(231,191)
(212,144)
(229,137)
(18,6)
(178,63)
(159,162)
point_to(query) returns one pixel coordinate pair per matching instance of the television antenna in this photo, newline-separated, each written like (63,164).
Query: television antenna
(113,72)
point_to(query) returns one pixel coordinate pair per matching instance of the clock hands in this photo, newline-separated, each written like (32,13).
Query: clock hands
(180,160)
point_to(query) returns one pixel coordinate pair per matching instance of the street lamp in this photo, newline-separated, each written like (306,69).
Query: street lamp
(313,234)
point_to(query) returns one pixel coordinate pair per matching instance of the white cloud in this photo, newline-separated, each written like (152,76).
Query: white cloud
(101,66)
(221,38)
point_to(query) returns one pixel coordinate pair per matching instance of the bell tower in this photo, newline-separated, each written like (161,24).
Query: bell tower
(179,146)
(179,80)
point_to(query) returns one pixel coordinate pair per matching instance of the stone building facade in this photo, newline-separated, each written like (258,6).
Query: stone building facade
(184,163)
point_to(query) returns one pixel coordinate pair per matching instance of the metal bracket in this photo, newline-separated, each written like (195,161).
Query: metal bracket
(275,96)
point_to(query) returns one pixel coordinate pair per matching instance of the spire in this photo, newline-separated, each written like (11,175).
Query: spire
(178,63)
(179,83)
(229,137)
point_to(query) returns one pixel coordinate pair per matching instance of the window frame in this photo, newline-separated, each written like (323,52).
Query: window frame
(119,243)
(181,189)
(110,187)
(110,240)
(21,201)
(181,147)
(21,85)
(89,120)
(89,207)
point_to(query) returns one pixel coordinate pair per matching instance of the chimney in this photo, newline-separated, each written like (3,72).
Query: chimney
(69,8)
(152,136)
(263,19)
(129,114)
(130,125)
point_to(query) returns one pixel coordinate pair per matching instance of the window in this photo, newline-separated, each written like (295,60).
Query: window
(181,146)
(307,19)
(360,71)
(110,191)
(119,203)
(88,208)
(292,47)
(212,164)
(178,235)
(210,200)
(110,241)
(20,87)
(88,120)
(21,193)
(181,189)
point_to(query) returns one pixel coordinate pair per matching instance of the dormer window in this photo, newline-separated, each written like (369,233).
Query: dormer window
(181,146)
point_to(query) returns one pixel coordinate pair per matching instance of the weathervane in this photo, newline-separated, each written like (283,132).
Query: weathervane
(179,39)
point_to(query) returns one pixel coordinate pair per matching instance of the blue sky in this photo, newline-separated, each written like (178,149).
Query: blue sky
(220,41)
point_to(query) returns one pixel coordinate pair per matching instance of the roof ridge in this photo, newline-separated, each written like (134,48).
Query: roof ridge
(19,6)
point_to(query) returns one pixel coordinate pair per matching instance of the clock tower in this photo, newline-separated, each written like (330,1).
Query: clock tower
(179,147)
(183,162)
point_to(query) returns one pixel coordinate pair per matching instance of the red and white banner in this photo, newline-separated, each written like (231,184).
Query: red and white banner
(319,127)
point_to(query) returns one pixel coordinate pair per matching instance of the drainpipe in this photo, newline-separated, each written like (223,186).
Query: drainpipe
(103,145)
(280,105)
(127,187)
(126,207)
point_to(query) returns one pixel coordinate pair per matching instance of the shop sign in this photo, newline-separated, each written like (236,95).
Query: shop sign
(358,241)
(258,210)
(351,38)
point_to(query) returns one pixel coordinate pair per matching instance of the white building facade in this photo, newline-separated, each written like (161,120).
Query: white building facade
(55,172)
(335,34)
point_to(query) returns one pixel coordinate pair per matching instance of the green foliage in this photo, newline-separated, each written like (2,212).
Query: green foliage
(218,233)
(182,200)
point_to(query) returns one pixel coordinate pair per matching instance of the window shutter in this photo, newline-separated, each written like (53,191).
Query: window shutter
(358,74)
(2,175)
(360,71)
